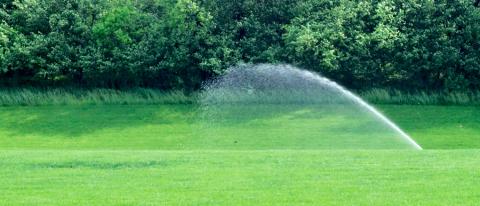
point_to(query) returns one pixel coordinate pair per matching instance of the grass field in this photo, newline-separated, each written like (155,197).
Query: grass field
(282,177)
(172,127)
(148,155)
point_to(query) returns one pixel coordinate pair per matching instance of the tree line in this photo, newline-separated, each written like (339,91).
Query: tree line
(177,44)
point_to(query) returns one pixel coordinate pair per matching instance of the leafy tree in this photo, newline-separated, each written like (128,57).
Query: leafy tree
(52,34)
(5,32)
(442,47)
(188,43)
(118,35)
(346,40)
(254,28)
(402,44)
(408,44)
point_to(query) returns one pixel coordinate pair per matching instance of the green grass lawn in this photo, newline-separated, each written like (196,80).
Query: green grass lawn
(282,177)
(149,155)
(439,127)
(176,127)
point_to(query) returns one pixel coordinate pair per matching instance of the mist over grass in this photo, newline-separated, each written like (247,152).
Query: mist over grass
(274,100)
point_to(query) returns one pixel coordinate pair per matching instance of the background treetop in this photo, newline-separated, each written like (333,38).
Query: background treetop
(177,44)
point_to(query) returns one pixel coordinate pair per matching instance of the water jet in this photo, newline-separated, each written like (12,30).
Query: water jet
(265,103)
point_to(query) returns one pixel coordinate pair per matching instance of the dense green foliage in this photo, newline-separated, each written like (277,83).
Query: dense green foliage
(176,44)
(418,44)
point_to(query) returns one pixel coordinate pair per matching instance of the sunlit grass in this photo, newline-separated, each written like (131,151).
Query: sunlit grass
(279,177)
(152,155)
(177,127)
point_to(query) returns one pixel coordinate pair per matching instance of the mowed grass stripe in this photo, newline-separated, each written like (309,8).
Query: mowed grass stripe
(175,127)
(282,177)
(438,127)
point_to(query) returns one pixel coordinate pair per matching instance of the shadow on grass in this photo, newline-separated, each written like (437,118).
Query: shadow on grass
(246,126)
(100,165)
(439,127)
(74,121)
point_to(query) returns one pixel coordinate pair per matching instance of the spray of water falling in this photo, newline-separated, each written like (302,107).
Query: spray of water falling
(283,107)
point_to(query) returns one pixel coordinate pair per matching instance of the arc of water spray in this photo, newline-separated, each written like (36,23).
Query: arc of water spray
(385,119)
(371,109)
(241,75)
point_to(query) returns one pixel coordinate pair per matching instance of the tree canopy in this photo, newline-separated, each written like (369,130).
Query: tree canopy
(177,44)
